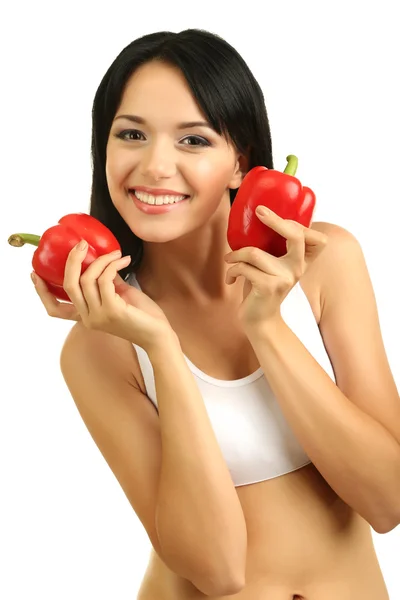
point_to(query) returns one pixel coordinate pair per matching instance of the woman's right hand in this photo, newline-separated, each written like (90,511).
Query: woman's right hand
(102,300)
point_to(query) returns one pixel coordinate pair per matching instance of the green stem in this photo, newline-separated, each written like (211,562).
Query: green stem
(20,239)
(291,167)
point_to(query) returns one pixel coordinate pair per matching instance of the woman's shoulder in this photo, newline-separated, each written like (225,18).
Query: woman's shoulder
(98,351)
(342,245)
(332,230)
(317,279)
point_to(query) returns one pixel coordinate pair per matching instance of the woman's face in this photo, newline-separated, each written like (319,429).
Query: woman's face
(157,148)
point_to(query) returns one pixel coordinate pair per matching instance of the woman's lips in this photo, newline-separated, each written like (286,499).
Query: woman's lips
(155,209)
(156,191)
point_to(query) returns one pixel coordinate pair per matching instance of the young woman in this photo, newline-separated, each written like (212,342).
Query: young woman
(245,403)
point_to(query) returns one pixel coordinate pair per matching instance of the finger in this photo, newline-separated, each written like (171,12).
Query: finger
(107,287)
(285,227)
(291,230)
(262,283)
(120,284)
(315,242)
(315,238)
(72,274)
(252,274)
(257,258)
(82,288)
(89,281)
(54,308)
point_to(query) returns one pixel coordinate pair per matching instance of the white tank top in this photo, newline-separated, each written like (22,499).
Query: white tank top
(254,436)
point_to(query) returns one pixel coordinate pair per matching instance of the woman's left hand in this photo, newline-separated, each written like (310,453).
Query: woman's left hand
(268,279)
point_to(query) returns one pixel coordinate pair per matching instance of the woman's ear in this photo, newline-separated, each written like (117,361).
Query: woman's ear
(241,168)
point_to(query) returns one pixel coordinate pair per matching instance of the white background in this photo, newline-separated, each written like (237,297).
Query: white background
(330,77)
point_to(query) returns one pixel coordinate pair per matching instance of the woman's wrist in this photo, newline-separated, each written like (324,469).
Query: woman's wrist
(166,343)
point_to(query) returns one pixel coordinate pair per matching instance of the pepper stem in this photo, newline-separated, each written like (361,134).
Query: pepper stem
(291,167)
(20,239)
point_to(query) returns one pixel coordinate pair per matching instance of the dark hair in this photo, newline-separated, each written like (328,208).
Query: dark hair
(221,83)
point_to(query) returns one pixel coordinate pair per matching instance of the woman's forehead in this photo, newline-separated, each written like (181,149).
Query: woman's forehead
(158,93)
(159,79)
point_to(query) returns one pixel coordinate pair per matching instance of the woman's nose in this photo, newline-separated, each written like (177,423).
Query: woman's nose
(158,162)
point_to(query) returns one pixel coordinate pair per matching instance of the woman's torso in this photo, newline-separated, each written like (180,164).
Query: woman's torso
(302,538)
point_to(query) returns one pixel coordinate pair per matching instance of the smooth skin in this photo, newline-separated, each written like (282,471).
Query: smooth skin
(302,537)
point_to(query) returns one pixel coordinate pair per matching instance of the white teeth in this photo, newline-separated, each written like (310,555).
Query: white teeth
(158,200)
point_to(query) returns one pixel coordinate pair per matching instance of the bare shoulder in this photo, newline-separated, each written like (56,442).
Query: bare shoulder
(102,351)
(342,246)
(316,277)
(333,231)
(336,235)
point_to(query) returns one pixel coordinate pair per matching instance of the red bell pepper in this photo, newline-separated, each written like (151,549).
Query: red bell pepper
(55,244)
(282,193)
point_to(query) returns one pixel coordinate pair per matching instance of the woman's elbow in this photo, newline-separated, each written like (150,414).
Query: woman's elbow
(385,525)
(215,586)
(386,520)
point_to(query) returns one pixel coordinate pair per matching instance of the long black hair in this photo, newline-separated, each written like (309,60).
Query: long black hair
(224,88)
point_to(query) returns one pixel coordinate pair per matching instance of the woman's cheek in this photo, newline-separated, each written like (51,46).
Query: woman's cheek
(214,173)
(118,165)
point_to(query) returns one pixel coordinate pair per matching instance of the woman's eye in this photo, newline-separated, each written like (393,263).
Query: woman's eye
(196,141)
(132,133)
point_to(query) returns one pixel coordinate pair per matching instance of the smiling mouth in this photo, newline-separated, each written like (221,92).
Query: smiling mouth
(158,200)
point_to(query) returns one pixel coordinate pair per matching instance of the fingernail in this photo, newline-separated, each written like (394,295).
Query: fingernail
(82,245)
(33,277)
(262,210)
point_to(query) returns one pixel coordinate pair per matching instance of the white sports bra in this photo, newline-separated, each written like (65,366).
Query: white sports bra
(254,436)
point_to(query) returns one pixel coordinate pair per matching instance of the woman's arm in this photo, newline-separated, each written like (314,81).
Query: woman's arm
(169,466)
(350,431)
(199,517)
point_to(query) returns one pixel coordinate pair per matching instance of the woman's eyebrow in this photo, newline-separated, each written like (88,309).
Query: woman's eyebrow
(187,125)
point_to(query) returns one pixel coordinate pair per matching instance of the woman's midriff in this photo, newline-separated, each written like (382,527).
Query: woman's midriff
(303,541)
